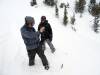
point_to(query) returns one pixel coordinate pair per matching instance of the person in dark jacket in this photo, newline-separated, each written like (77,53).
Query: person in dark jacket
(47,34)
(32,42)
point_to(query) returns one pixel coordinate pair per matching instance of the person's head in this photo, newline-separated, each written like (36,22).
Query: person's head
(43,18)
(29,21)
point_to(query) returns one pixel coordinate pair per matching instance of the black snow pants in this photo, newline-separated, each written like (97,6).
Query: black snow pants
(40,52)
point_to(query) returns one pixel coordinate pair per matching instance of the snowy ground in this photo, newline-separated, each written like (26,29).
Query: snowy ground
(78,51)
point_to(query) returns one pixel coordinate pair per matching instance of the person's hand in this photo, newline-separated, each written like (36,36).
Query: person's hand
(42,29)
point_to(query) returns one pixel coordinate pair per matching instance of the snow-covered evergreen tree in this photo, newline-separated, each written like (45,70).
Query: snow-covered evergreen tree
(73,19)
(49,2)
(33,2)
(94,10)
(65,19)
(56,10)
(96,24)
(62,5)
(79,6)
(76,6)
(92,1)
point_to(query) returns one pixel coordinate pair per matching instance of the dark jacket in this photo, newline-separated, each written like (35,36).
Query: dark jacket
(30,37)
(47,34)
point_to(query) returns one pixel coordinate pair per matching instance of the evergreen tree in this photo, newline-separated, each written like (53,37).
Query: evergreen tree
(96,25)
(62,5)
(94,10)
(65,19)
(67,5)
(46,1)
(33,2)
(73,19)
(49,2)
(52,3)
(55,1)
(79,6)
(76,6)
(92,1)
(90,8)
(99,3)
(56,10)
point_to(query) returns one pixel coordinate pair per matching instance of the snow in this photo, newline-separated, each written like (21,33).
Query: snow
(78,51)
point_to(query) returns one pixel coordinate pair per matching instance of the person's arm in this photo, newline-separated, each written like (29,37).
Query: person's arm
(50,33)
(39,26)
(50,29)
(29,34)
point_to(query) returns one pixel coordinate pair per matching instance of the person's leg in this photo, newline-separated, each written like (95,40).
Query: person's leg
(43,58)
(42,43)
(43,46)
(50,45)
(31,55)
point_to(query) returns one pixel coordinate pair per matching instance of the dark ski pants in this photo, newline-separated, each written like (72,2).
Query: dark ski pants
(40,52)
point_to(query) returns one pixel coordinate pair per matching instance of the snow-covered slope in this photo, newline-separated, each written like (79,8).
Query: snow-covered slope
(77,53)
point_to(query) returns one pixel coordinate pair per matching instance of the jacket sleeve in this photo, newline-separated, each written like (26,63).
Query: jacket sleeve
(50,33)
(28,34)
(50,30)
(39,27)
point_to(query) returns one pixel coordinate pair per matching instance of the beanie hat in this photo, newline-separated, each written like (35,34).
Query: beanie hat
(43,18)
(29,19)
